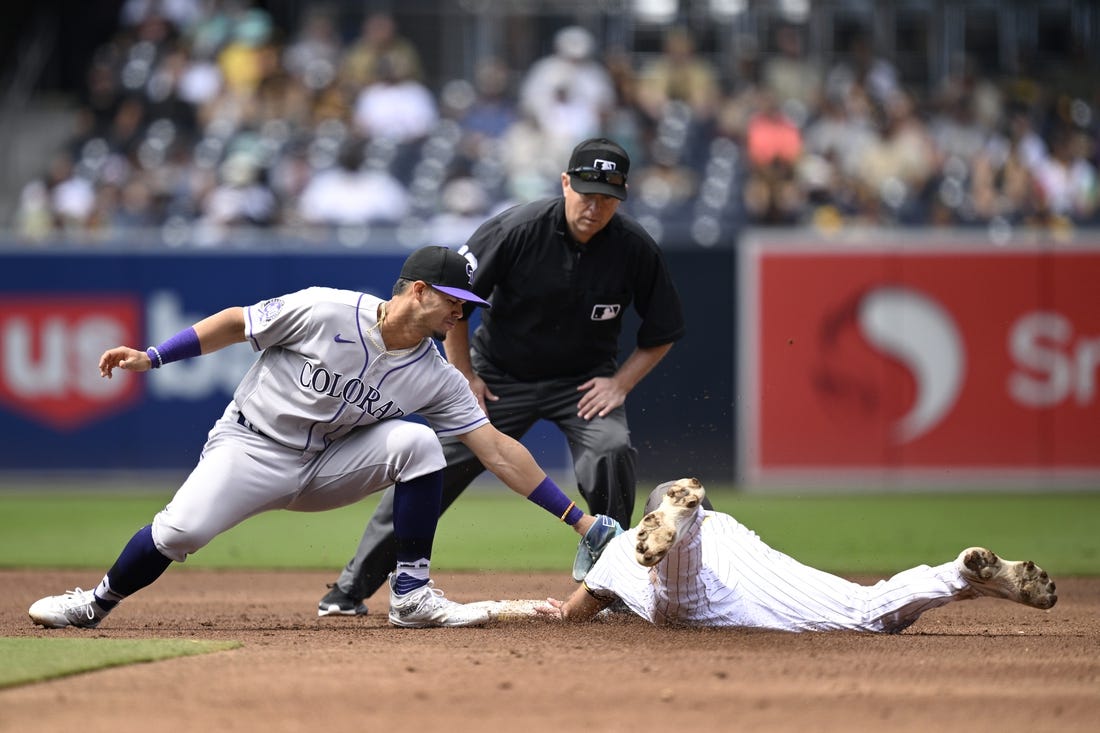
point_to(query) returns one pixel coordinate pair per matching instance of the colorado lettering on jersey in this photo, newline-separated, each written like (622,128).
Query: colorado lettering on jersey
(352,391)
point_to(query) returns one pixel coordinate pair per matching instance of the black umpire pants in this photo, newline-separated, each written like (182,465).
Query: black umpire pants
(604,462)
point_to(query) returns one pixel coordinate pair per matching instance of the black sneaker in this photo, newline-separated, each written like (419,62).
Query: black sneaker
(338,603)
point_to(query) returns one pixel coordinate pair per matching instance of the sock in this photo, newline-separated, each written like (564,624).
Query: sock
(139,564)
(417,504)
(411,575)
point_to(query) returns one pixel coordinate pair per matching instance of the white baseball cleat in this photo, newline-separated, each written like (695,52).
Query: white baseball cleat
(426,607)
(74,608)
(1023,582)
(663,527)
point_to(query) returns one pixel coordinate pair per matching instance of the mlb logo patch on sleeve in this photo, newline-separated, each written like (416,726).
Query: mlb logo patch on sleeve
(605,312)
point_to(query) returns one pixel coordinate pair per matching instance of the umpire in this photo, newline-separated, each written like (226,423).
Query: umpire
(563,271)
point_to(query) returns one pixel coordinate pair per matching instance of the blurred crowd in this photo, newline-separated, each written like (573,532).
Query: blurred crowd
(201,116)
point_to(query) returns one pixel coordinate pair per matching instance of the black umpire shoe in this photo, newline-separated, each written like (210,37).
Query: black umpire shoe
(338,603)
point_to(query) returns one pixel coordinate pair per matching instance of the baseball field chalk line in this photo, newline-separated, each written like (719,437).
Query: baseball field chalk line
(511,610)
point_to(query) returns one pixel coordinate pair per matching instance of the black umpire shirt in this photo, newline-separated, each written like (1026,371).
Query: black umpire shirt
(558,305)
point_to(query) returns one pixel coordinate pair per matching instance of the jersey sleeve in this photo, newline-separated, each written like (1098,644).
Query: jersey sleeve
(279,320)
(658,303)
(486,248)
(486,245)
(454,409)
(617,574)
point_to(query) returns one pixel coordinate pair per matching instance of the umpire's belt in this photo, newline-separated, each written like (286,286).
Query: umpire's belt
(242,420)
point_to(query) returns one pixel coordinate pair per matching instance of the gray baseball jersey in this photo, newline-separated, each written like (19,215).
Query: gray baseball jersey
(324,371)
(315,422)
(722,574)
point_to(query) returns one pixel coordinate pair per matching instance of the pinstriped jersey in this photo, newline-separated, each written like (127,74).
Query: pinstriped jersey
(324,371)
(676,591)
(721,573)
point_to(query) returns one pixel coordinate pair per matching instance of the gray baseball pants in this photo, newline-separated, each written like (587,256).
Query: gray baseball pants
(604,462)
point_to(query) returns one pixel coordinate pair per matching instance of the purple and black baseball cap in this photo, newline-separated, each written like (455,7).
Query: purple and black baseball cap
(445,270)
(599,165)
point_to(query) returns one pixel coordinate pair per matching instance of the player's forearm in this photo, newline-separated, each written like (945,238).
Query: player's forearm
(515,466)
(581,606)
(525,477)
(210,334)
(457,347)
(222,329)
(640,363)
(505,458)
(508,460)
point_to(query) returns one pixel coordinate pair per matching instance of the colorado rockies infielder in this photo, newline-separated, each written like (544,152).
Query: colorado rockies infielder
(685,565)
(314,425)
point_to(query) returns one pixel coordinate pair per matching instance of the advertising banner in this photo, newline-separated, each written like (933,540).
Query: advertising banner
(59,311)
(944,360)
(61,308)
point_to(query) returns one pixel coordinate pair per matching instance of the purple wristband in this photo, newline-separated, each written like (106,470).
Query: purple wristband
(183,345)
(552,499)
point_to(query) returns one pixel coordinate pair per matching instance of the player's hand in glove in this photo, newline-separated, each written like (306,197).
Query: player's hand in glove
(592,544)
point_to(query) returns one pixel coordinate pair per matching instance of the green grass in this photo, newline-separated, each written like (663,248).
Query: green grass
(886,533)
(35,659)
(496,530)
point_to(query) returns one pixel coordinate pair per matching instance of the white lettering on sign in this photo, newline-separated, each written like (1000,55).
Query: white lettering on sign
(1053,367)
(58,357)
(50,349)
(193,378)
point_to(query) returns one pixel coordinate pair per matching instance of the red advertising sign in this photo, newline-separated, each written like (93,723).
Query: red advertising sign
(49,348)
(948,359)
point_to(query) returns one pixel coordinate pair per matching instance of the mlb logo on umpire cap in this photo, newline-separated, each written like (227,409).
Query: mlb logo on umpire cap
(599,154)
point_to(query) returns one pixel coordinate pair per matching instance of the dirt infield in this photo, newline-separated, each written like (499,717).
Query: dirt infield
(980,665)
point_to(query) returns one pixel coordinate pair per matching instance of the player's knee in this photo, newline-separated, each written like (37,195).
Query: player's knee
(614,457)
(176,541)
(618,447)
(418,448)
(613,439)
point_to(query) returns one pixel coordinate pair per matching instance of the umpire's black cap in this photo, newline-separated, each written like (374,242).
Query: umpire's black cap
(443,269)
(599,165)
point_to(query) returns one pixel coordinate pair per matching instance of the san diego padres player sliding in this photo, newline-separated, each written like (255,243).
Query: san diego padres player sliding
(314,425)
(685,565)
